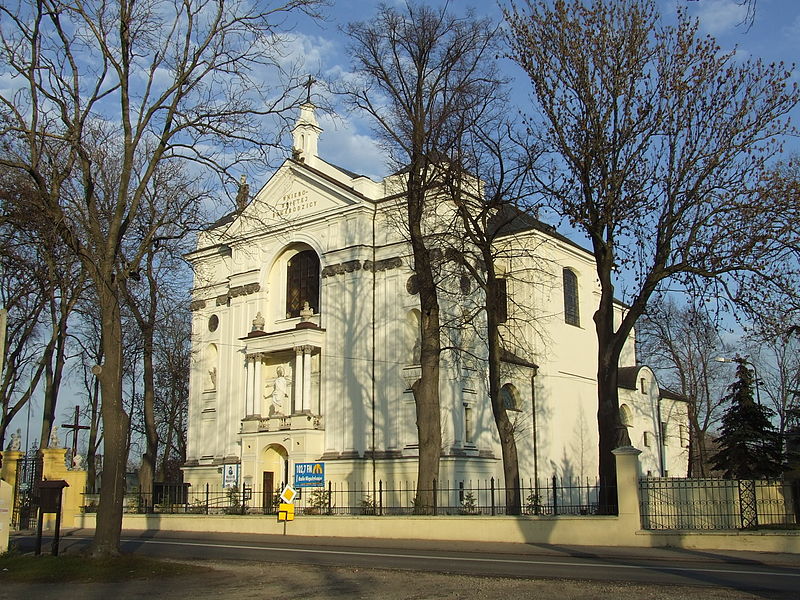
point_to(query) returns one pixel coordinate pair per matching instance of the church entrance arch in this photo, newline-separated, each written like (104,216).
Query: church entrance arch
(275,472)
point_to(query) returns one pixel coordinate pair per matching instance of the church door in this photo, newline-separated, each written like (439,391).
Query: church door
(268,492)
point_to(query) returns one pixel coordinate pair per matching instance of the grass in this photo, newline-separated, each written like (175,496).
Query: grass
(27,568)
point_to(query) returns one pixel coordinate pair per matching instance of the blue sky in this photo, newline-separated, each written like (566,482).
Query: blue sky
(774,36)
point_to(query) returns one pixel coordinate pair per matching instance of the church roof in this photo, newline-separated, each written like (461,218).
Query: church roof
(628,377)
(349,173)
(670,395)
(509,357)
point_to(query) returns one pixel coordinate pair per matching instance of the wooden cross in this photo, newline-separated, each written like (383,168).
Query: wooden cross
(75,427)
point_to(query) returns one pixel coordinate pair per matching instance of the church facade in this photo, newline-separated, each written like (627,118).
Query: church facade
(305,329)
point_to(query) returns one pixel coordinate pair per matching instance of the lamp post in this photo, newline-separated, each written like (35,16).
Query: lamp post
(743,361)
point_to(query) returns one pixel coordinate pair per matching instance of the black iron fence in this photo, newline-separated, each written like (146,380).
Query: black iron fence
(25,509)
(554,496)
(709,503)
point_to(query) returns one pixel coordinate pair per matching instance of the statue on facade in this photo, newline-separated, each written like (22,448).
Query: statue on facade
(16,441)
(279,387)
(258,322)
(306,312)
(212,376)
(53,441)
(77,462)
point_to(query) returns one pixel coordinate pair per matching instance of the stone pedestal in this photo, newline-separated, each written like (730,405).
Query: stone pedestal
(8,472)
(53,467)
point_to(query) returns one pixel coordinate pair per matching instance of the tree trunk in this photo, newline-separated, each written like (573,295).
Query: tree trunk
(505,428)
(54,373)
(147,469)
(426,390)
(612,433)
(91,451)
(115,425)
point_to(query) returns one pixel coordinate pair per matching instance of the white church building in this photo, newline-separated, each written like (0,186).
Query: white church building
(305,329)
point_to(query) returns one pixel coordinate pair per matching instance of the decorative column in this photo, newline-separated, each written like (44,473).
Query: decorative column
(307,350)
(248,388)
(299,388)
(258,392)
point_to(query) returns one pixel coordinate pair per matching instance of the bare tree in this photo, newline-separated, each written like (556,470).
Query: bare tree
(148,82)
(656,141)
(421,71)
(41,282)
(682,343)
(776,355)
(150,294)
(173,354)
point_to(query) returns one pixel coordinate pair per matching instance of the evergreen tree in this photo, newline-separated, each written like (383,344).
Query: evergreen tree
(750,446)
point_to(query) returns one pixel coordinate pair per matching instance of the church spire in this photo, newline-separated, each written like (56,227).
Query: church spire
(306,130)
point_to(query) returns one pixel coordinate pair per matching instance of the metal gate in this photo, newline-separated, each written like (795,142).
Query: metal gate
(26,492)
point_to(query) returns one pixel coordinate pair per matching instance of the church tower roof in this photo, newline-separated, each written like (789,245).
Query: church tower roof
(306,135)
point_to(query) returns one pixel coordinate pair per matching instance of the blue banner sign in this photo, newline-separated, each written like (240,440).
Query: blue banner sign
(309,474)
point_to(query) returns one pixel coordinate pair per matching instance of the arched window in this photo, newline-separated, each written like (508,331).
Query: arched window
(510,397)
(302,283)
(572,314)
(625,415)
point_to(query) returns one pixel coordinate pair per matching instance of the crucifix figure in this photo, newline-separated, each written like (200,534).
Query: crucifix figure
(75,427)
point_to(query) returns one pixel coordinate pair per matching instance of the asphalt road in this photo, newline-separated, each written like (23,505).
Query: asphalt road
(753,572)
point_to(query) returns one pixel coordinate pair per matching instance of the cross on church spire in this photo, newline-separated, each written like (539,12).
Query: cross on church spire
(311,81)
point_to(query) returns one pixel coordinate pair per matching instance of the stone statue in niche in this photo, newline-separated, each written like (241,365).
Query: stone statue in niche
(212,378)
(280,391)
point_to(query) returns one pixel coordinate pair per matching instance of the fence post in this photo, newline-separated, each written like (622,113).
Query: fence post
(555,495)
(330,494)
(206,497)
(748,507)
(492,493)
(629,507)
(380,497)
(434,497)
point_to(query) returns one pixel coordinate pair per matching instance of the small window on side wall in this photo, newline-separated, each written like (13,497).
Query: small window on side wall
(571,309)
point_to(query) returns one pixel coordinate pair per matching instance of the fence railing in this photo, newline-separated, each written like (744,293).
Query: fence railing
(709,503)
(555,496)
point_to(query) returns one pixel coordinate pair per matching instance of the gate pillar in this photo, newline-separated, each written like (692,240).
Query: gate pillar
(8,472)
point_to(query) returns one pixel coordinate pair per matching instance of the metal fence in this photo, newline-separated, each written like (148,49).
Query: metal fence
(554,496)
(25,508)
(702,504)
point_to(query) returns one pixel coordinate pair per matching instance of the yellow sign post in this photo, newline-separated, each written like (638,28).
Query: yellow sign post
(285,512)
(286,508)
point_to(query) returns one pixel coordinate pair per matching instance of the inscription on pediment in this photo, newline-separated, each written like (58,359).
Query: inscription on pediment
(295,202)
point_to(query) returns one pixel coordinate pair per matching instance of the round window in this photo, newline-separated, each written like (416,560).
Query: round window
(213,323)
(412,285)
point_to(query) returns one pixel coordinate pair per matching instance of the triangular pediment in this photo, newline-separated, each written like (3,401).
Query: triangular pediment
(294,194)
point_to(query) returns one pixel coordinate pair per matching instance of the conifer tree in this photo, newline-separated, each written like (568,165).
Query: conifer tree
(749,443)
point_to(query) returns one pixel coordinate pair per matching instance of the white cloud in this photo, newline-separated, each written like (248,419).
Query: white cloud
(343,145)
(719,16)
